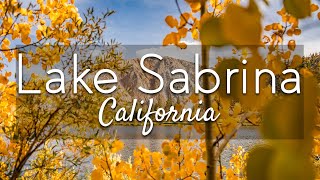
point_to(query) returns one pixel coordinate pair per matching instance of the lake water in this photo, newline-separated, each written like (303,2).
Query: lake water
(247,137)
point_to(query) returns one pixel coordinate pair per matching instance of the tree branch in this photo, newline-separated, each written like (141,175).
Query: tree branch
(229,136)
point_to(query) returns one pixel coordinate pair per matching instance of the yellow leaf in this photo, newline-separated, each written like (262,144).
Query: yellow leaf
(172,38)
(292,45)
(6,42)
(3,79)
(205,17)
(297,31)
(314,7)
(298,8)
(165,148)
(117,146)
(182,45)
(254,119)
(26,40)
(296,61)
(97,174)
(42,22)
(286,55)
(268,27)
(184,18)
(171,21)
(178,107)
(317,147)
(35,60)
(277,26)
(23,11)
(194,98)
(290,32)
(195,34)
(183,32)
(38,34)
(282,12)
(305,72)
(195,7)
(242,26)
(211,33)
(30,18)
(237,109)
(8,74)
(3,147)
(256,169)
(213,2)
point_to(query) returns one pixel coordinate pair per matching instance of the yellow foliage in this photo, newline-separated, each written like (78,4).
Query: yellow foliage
(171,21)
(116,146)
(298,8)
(242,26)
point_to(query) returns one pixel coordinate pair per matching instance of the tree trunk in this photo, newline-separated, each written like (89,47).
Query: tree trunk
(211,163)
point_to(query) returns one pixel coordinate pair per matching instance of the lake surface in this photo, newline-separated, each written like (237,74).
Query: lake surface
(247,137)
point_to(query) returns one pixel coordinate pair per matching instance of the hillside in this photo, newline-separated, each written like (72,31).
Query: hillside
(137,77)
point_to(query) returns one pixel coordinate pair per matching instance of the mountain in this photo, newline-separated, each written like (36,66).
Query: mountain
(136,77)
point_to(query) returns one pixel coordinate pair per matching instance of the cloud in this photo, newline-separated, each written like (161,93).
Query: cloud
(187,54)
(309,38)
(172,51)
